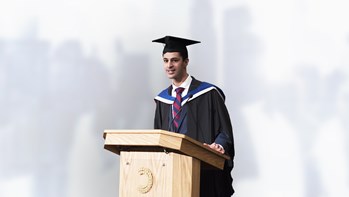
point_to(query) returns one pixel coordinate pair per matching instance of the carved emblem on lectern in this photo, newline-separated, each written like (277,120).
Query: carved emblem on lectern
(146,179)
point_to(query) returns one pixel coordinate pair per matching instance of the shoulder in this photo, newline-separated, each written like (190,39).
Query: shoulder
(164,96)
(199,88)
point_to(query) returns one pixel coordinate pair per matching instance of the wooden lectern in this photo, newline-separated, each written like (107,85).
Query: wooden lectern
(160,163)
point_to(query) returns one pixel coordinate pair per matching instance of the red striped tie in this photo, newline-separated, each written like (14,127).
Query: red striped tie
(177,104)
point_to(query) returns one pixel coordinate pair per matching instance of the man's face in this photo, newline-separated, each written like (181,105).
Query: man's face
(174,65)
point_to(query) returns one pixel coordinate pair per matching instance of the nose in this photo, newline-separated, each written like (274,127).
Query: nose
(169,64)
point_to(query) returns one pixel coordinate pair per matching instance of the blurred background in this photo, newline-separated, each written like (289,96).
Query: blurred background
(71,68)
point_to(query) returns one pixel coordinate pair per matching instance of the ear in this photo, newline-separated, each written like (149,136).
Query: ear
(186,61)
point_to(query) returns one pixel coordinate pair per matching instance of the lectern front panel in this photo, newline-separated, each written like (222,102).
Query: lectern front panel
(158,174)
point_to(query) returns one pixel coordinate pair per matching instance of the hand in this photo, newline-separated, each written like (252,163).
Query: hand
(216,147)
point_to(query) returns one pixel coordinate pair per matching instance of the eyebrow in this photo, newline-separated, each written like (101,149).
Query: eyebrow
(171,58)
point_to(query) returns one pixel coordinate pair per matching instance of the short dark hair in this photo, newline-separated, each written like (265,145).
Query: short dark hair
(183,54)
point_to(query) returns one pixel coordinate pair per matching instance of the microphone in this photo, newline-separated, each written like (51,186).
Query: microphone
(170,125)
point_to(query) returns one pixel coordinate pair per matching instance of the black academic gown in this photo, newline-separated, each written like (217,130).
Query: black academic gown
(204,118)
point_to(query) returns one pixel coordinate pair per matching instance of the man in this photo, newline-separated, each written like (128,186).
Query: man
(196,109)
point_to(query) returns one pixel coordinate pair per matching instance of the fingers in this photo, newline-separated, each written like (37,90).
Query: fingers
(215,147)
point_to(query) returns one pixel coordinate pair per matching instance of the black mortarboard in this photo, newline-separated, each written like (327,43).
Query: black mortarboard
(175,44)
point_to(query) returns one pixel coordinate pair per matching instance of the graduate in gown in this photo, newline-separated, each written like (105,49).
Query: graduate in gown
(198,111)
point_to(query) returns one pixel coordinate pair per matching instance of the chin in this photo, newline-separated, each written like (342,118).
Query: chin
(171,76)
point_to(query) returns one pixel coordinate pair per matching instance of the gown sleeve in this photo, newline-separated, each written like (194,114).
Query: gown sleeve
(223,125)
(157,117)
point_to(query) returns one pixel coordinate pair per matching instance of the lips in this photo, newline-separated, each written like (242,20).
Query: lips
(170,71)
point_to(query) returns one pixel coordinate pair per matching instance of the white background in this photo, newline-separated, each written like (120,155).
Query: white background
(70,69)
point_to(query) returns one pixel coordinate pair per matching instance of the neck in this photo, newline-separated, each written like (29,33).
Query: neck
(180,81)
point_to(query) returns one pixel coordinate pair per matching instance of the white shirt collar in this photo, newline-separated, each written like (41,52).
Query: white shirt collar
(185,85)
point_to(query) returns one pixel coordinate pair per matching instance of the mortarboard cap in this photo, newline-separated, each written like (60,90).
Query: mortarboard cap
(175,44)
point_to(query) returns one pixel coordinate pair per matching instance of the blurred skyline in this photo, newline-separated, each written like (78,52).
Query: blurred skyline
(70,69)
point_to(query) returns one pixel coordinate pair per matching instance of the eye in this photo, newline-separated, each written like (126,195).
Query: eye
(165,60)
